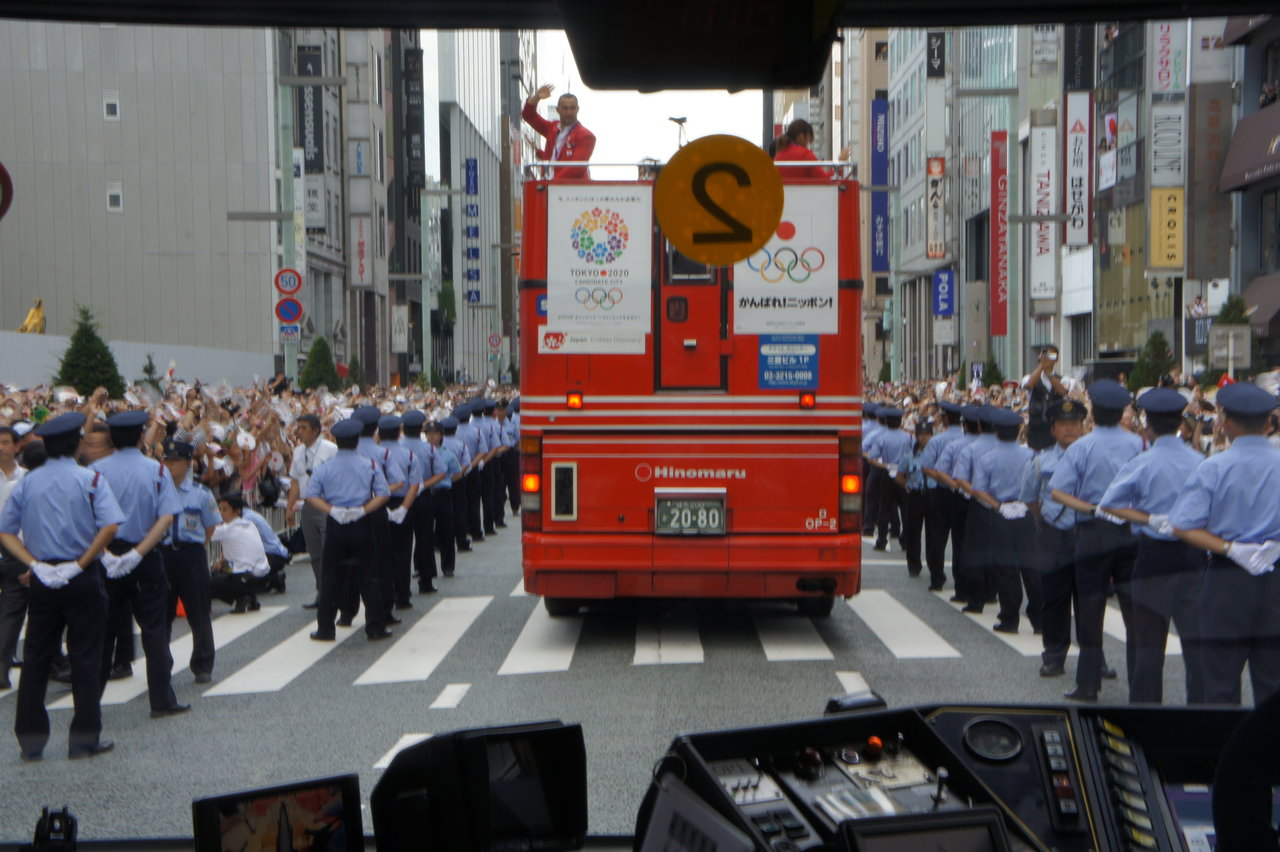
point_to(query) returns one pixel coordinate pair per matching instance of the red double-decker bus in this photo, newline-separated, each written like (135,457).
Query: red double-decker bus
(689,431)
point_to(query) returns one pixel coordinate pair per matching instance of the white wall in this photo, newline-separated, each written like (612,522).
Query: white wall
(27,360)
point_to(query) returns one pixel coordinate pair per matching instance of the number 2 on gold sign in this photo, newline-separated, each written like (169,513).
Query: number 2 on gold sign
(737,232)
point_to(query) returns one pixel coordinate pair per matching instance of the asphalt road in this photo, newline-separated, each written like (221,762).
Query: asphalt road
(635,675)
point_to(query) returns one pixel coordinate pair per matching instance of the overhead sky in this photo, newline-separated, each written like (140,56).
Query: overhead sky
(630,126)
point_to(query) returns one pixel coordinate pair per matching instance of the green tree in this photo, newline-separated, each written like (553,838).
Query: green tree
(355,372)
(150,375)
(88,363)
(991,374)
(1155,359)
(962,377)
(886,372)
(319,369)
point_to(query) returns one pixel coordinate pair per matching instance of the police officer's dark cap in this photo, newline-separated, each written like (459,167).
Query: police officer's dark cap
(1244,399)
(366,414)
(449,423)
(349,428)
(890,413)
(413,418)
(491,405)
(1162,401)
(986,413)
(462,411)
(1065,409)
(515,404)
(178,449)
(869,409)
(128,419)
(63,424)
(502,403)
(388,422)
(951,408)
(1003,418)
(1109,394)
(969,413)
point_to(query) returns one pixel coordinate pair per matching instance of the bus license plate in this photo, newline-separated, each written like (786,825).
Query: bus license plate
(690,517)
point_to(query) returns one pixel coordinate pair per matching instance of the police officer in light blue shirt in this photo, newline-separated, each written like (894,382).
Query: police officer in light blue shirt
(1167,572)
(892,447)
(458,495)
(137,586)
(427,470)
(937,527)
(1055,534)
(915,505)
(971,571)
(404,478)
(442,504)
(1228,508)
(469,434)
(997,482)
(348,488)
(509,423)
(957,506)
(1104,550)
(871,504)
(66,515)
(186,558)
(491,476)
(379,523)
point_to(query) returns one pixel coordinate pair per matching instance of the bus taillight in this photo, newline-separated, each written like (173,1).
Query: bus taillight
(573,400)
(850,484)
(531,482)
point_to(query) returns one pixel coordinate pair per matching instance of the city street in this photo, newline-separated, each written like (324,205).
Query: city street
(283,708)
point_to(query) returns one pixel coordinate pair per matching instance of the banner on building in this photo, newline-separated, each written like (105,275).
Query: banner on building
(1167,216)
(472,177)
(1043,178)
(1044,50)
(1211,58)
(1077,169)
(999,257)
(1167,58)
(789,286)
(599,268)
(944,292)
(1167,144)
(879,177)
(935,63)
(1079,57)
(1209,253)
(361,251)
(936,209)
(299,210)
(400,329)
(414,124)
(311,108)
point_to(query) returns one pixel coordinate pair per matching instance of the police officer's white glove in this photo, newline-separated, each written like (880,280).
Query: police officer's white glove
(111,564)
(49,575)
(1250,557)
(1101,514)
(397,516)
(893,471)
(1160,523)
(68,571)
(1013,510)
(353,513)
(129,560)
(339,514)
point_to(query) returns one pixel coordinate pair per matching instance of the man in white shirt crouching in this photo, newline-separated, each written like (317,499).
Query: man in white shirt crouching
(242,571)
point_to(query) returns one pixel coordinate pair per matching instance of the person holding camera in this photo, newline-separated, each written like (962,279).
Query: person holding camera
(1043,387)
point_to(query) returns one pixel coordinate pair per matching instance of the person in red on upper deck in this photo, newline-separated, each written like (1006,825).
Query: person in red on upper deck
(793,145)
(566,140)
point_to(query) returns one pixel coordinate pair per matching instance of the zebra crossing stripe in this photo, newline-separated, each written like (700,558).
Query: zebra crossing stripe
(450,697)
(416,655)
(401,744)
(790,638)
(545,644)
(226,629)
(668,637)
(902,631)
(852,682)
(277,668)
(518,591)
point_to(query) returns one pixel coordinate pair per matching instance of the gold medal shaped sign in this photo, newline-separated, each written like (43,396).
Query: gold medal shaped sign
(719,199)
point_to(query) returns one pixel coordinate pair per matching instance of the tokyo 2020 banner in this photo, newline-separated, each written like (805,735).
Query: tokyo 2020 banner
(789,286)
(599,272)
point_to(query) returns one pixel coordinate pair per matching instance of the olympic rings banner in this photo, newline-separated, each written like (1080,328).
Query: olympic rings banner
(789,286)
(599,267)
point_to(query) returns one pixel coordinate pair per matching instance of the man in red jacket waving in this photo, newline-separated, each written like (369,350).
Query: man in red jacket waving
(567,140)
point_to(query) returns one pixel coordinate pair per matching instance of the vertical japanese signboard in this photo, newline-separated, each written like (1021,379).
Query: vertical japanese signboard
(361,257)
(936,209)
(999,233)
(1209,251)
(1044,204)
(1078,160)
(1167,59)
(879,177)
(311,127)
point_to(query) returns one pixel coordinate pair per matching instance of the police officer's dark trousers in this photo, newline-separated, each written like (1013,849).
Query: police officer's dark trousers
(458,498)
(382,565)
(937,527)
(959,519)
(474,526)
(13,609)
(401,546)
(187,567)
(891,499)
(971,573)
(871,505)
(1104,557)
(442,515)
(143,594)
(490,499)
(420,521)
(1012,568)
(511,476)
(348,560)
(1055,563)
(914,524)
(80,607)
(1240,622)
(1167,576)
